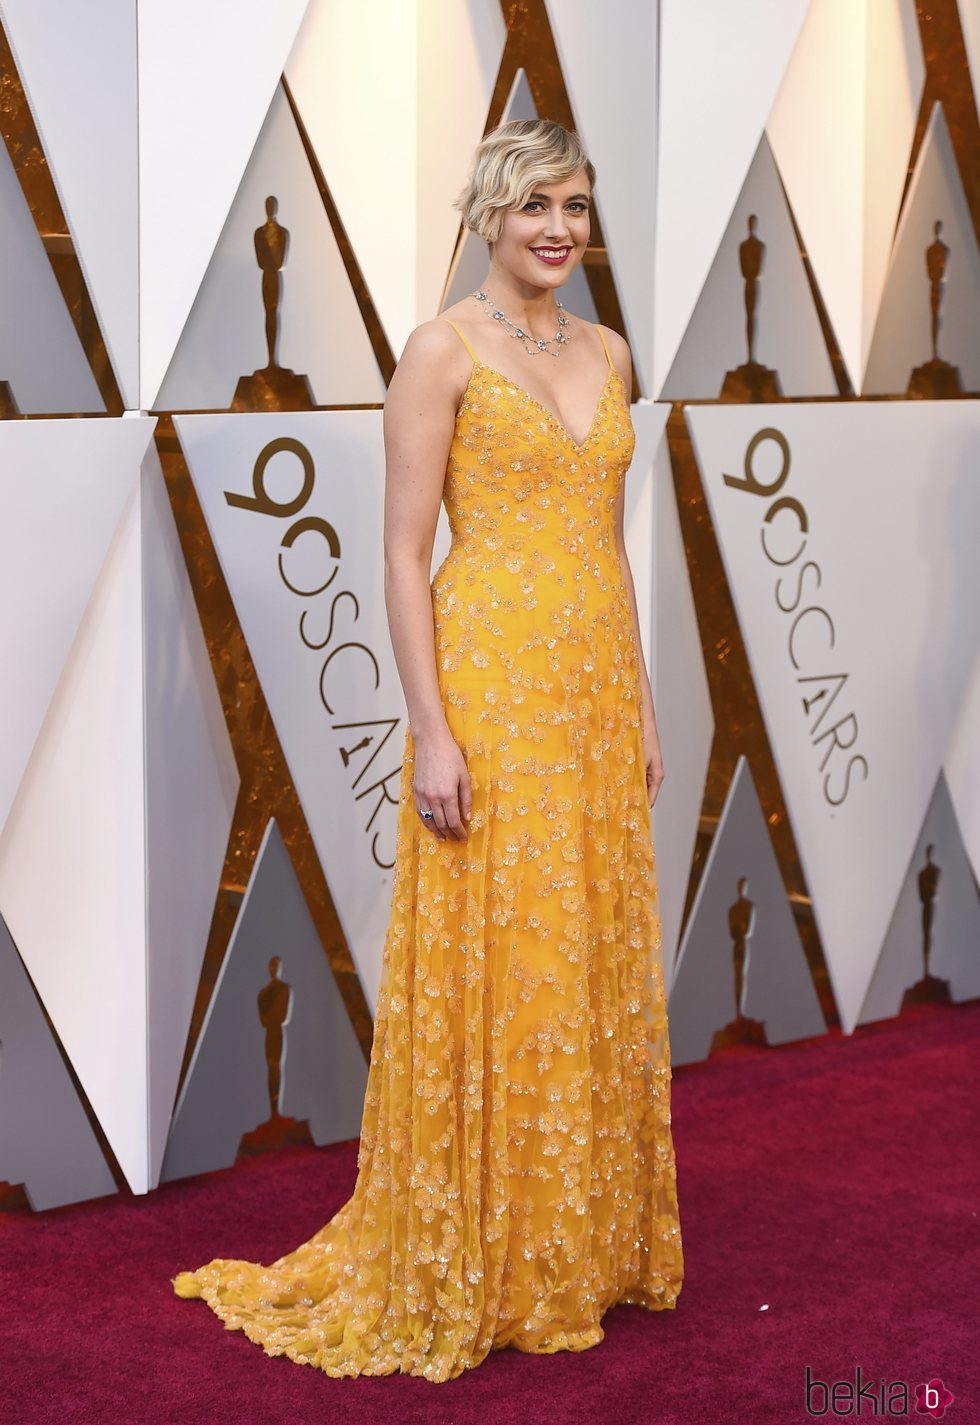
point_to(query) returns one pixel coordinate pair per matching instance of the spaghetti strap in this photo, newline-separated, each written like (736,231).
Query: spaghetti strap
(604,346)
(461,337)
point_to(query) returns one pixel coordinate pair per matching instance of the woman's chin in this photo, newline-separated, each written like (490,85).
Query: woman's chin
(544,276)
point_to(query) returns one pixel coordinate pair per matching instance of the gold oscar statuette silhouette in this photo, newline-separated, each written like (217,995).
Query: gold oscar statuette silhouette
(928,989)
(935,379)
(751,381)
(741,1029)
(272,387)
(348,752)
(274,999)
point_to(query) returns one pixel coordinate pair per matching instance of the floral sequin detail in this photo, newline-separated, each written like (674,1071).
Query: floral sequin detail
(516,1172)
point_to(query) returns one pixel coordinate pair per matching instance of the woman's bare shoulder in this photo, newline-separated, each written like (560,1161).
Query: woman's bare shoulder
(435,346)
(432,340)
(434,363)
(619,351)
(619,348)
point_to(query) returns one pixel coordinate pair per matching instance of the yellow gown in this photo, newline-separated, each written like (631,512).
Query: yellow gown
(515,1173)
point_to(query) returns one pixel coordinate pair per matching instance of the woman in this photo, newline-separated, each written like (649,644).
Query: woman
(516,1173)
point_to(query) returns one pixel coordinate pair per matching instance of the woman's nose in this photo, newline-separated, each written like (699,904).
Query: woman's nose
(556,225)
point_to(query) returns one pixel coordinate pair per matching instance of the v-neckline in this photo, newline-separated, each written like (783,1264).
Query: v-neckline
(577,445)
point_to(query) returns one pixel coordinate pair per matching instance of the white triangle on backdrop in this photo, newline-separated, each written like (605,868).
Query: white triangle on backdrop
(77,64)
(207,74)
(720,69)
(473,32)
(226,1091)
(879,552)
(352,73)
(611,75)
(321,331)
(777,988)
(841,132)
(788,337)
(902,337)
(953,924)
(63,487)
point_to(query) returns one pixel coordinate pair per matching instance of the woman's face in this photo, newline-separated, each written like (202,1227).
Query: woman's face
(542,242)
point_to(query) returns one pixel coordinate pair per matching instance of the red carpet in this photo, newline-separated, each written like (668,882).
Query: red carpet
(835,1181)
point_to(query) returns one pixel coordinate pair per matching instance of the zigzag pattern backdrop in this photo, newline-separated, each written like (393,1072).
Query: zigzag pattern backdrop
(786,230)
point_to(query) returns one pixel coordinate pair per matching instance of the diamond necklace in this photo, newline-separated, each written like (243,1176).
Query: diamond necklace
(540,343)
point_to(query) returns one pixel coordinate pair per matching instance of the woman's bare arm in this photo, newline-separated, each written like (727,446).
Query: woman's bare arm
(419,417)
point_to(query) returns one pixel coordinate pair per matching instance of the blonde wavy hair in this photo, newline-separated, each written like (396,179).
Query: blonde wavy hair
(510,163)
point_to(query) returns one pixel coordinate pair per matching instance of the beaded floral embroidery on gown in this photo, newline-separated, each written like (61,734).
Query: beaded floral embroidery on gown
(515,1173)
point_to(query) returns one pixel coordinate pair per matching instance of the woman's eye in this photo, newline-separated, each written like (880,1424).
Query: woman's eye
(577,207)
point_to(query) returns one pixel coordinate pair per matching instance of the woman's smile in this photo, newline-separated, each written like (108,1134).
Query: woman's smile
(553,256)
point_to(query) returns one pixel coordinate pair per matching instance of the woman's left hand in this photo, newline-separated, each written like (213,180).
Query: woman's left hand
(651,753)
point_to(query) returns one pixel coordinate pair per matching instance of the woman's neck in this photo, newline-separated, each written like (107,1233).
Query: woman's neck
(533,308)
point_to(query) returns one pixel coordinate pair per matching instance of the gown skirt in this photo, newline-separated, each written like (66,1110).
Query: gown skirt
(515,1171)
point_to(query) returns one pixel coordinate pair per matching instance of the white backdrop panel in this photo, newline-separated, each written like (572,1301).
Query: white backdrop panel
(841,132)
(206,76)
(72,857)
(313,515)
(126,804)
(963,768)
(816,130)
(895,75)
(63,487)
(352,72)
(720,69)
(683,706)
(459,50)
(190,793)
(609,59)
(861,624)
(649,424)
(78,67)
(969,12)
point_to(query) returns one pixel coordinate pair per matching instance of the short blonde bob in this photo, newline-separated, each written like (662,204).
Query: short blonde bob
(510,162)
